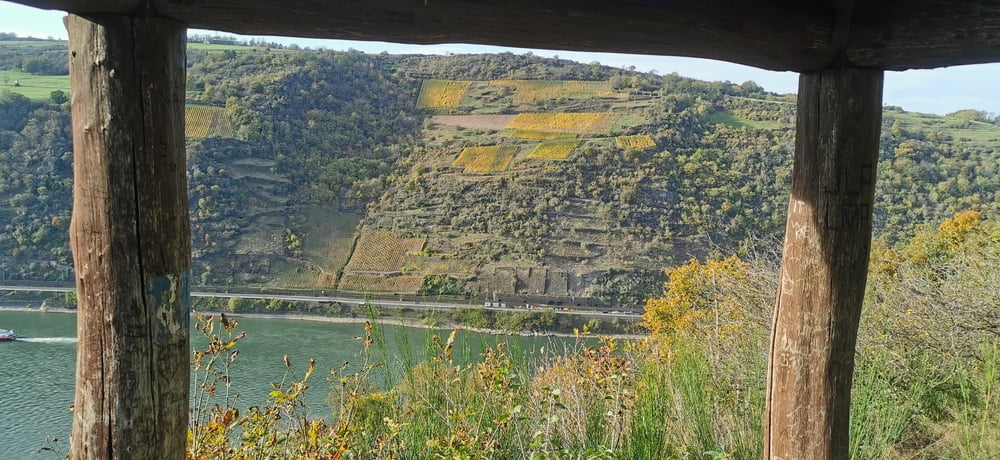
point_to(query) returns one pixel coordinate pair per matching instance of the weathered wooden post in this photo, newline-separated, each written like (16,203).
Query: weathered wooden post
(824,266)
(130,236)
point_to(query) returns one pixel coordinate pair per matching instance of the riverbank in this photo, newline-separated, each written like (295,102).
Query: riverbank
(413,324)
(356,320)
(36,310)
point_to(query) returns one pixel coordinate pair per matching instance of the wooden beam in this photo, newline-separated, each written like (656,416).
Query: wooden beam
(824,266)
(777,35)
(924,34)
(130,236)
(87,6)
(780,35)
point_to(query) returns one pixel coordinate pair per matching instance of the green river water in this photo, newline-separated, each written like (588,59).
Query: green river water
(37,371)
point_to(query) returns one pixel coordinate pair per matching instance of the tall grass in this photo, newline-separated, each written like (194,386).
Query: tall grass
(978,418)
(598,398)
(885,402)
(595,398)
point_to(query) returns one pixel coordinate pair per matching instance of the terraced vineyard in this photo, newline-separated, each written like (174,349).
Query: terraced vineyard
(525,213)
(579,123)
(381,251)
(541,135)
(554,150)
(641,142)
(530,91)
(487,159)
(402,284)
(442,93)
(202,121)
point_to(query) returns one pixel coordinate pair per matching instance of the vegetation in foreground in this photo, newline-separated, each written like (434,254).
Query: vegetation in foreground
(925,384)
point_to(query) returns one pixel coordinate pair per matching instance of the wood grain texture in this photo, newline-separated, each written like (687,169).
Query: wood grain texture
(130,237)
(792,35)
(824,265)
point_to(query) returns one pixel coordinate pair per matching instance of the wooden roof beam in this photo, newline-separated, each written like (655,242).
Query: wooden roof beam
(776,35)
(86,6)
(782,35)
(923,34)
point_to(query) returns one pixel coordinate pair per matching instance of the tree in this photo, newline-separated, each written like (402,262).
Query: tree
(58,97)
(721,303)
(973,115)
(937,290)
(45,64)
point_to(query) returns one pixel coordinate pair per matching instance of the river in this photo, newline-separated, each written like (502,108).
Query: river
(37,371)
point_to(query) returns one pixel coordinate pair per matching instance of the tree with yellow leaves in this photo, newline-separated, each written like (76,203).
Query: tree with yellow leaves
(937,290)
(721,303)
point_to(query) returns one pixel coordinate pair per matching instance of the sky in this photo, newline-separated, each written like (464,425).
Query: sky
(939,91)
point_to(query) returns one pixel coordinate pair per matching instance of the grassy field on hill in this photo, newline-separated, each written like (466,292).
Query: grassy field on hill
(37,87)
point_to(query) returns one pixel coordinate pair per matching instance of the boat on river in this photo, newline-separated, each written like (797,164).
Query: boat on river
(7,335)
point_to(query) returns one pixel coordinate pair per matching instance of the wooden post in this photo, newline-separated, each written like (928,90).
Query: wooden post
(130,236)
(824,266)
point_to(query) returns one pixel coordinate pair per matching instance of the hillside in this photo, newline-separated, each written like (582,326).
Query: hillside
(497,176)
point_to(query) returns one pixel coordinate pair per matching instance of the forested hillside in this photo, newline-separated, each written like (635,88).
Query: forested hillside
(509,176)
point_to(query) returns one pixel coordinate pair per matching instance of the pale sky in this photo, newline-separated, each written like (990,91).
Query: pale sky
(937,91)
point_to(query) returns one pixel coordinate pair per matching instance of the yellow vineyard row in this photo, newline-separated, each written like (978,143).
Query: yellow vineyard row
(554,150)
(381,251)
(578,123)
(642,142)
(494,158)
(442,93)
(541,135)
(529,91)
(203,121)
(403,284)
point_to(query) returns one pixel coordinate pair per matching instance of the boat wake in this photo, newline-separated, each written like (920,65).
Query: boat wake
(47,339)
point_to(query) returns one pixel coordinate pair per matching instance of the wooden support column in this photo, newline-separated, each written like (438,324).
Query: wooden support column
(824,266)
(130,236)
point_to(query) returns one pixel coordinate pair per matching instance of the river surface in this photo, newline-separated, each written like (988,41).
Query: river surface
(37,371)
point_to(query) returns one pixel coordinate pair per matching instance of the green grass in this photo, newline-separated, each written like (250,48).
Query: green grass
(288,274)
(32,43)
(768,101)
(36,87)
(218,47)
(628,120)
(965,131)
(731,119)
